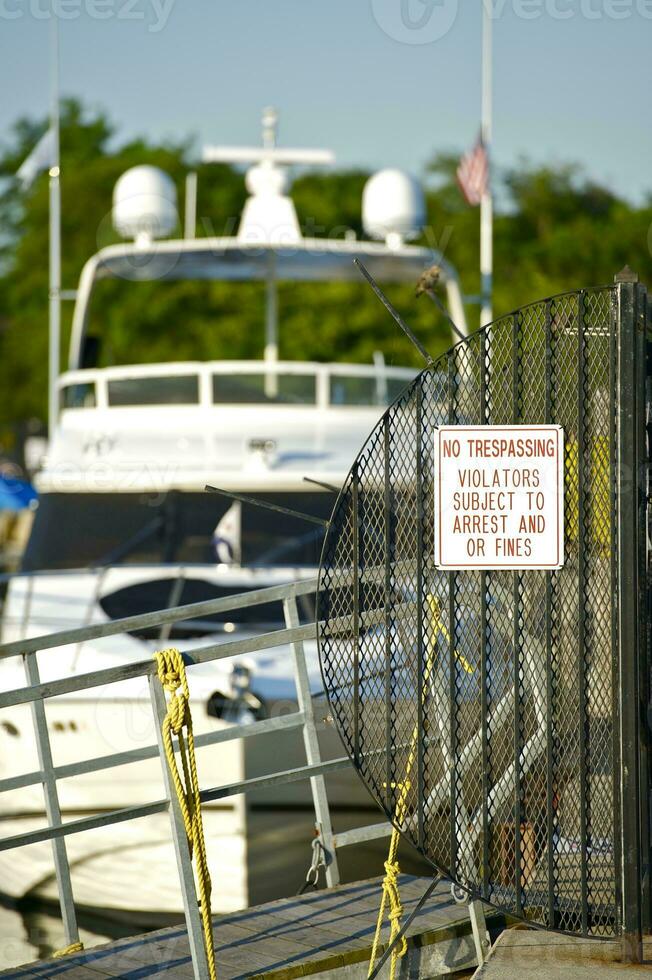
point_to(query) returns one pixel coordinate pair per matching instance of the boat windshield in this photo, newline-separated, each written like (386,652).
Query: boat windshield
(177,527)
(356,389)
(242,384)
(168,389)
(255,389)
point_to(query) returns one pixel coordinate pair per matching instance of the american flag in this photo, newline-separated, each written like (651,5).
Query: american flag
(473,173)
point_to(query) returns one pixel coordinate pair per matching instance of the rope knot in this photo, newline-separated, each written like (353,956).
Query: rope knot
(177,708)
(390,886)
(170,680)
(171,670)
(392,871)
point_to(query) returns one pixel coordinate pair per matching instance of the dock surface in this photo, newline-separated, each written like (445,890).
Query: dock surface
(301,936)
(521,954)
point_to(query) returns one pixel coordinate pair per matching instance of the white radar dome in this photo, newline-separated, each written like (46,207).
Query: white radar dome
(393,206)
(144,204)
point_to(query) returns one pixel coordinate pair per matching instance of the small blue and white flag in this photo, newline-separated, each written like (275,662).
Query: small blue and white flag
(41,158)
(226,536)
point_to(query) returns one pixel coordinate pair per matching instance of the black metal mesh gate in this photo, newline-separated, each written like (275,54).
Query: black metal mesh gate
(482,708)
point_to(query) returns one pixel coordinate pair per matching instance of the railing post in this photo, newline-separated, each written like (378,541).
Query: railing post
(52,807)
(646,660)
(481,937)
(311,743)
(631,605)
(180,840)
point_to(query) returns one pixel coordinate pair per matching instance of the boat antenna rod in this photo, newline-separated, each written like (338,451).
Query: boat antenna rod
(395,314)
(266,505)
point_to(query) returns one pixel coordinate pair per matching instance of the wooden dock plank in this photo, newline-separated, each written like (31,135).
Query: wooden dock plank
(287,939)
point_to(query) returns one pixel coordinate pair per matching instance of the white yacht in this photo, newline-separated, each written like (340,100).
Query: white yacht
(124,526)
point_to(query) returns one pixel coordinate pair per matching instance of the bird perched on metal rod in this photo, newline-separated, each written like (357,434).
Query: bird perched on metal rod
(426,284)
(428,280)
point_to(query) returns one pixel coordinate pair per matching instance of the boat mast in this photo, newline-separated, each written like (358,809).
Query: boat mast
(54,324)
(270,122)
(269,216)
(486,203)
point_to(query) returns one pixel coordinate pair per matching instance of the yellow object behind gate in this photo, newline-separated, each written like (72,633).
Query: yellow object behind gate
(172,675)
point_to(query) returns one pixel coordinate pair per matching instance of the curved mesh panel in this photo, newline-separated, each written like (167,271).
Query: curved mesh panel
(477,705)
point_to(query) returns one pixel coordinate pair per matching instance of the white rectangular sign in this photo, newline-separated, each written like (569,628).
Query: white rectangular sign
(499,496)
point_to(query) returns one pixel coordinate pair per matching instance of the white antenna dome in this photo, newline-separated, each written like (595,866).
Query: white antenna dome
(144,204)
(393,206)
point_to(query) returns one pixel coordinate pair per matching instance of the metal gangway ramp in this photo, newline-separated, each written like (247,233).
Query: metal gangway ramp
(442,926)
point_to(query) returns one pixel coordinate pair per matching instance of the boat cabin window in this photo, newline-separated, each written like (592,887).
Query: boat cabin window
(258,389)
(352,389)
(80,395)
(181,389)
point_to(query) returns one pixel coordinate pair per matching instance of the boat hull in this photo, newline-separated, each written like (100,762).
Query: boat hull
(259,846)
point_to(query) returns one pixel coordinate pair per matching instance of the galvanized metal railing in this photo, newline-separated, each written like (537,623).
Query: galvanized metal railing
(305,718)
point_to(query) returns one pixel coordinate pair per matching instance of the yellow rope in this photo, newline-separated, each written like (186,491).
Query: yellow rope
(67,950)
(390,890)
(438,627)
(172,675)
(391,895)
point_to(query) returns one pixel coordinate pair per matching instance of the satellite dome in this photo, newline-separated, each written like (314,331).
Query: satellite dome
(144,204)
(393,206)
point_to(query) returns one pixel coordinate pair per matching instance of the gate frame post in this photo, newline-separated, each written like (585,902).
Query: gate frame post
(631,557)
(646,661)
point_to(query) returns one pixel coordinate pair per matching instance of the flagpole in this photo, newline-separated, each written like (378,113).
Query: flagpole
(54,324)
(486,204)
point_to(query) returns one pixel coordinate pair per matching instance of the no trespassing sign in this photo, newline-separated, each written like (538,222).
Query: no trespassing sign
(499,496)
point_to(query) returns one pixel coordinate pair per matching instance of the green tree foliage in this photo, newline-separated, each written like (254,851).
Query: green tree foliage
(554,230)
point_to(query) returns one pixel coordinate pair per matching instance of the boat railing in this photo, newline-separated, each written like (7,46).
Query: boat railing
(306,718)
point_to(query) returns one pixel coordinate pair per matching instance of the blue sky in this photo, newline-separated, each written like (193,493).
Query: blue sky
(572,78)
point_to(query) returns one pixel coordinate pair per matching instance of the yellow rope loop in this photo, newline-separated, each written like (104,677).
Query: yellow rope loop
(68,950)
(178,721)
